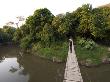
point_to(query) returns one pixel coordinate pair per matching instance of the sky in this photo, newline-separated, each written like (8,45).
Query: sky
(10,9)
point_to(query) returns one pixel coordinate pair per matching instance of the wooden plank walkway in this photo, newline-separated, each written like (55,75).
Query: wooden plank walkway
(72,70)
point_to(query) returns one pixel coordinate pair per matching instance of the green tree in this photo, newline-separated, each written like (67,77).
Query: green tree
(36,22)
(17,35)
(26,42)
(85,17)
(101,22)
(35,27)
(46,35)
(8,32)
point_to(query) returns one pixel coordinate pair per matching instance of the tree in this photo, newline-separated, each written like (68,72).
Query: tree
(20,19)
(57,26)
(64,26)
(10,23)
(85,17)
(46,35)
(26,42)
(9,32)
(17,35)
(36,22)
(101,22)
(35,27)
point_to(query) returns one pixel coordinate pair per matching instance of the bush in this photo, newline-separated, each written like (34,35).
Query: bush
(86,43)
(25,42)
(55,52)
(81,41)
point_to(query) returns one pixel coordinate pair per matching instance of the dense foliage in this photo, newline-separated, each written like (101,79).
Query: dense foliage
(7,34)
(45,32)
(44,28)
(86,43)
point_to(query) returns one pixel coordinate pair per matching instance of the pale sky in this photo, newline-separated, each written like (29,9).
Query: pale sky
(10,9)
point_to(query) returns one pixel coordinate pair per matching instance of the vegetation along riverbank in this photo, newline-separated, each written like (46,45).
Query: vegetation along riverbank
(46,35)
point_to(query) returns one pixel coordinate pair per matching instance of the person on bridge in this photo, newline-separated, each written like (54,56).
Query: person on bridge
(70,45)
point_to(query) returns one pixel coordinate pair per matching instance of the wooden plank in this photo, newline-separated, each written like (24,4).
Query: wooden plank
(72,70)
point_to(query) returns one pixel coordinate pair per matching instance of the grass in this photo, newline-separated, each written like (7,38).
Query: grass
(56,52)
(95,54)
(59,52)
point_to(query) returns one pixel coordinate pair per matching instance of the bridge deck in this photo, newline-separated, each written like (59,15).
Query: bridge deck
(72,70)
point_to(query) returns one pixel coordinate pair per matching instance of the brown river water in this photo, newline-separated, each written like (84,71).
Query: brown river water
(18,67)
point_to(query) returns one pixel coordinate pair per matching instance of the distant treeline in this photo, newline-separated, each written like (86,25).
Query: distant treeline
(45,28)
(7,34)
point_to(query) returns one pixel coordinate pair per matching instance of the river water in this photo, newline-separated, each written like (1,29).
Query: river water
(18,67)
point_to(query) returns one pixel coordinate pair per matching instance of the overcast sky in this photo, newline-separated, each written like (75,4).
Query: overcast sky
(10,9)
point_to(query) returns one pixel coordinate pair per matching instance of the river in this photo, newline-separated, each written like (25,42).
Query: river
(18,67)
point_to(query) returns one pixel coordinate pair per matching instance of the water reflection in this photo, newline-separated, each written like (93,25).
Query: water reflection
(1,58)
(13,69)
(19,67)
(41,70)
(96,74)
(10,69)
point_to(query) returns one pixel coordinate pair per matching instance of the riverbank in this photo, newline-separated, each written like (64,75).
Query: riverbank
(95,57)
(58,53)
(42,67)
